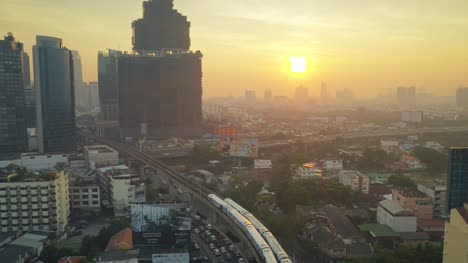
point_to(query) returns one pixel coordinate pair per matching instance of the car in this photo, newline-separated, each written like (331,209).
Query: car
(208,232)
(217,252)
(202,228)
(232,248)
(241,260)
(212,246)
(223,250)
(213,238)
(209,226)
(196,246)
(196,230)
(228,255)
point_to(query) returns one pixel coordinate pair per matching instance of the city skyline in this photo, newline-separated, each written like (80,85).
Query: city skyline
(367,47)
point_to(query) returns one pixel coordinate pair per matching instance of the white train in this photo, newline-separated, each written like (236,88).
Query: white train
(275,246)
(246,226)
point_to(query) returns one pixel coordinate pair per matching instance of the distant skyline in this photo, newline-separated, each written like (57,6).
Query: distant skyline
(365,45)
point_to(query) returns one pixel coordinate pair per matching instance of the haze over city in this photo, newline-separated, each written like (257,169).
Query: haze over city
(367,46)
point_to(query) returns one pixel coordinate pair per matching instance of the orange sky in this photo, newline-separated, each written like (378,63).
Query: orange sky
(366,45)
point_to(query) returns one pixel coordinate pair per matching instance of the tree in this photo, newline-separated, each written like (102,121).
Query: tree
(53,254)
(401,181)
(203,154)
(60,166)
(417,254)
(373,160)
(436,161)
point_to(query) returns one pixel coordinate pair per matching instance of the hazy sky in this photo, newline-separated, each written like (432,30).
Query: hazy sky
(369,46)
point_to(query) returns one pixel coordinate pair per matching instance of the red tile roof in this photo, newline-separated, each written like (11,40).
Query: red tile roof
(121,241)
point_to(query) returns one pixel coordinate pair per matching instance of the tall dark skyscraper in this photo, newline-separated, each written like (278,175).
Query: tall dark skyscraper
(55,100)
(161,27)
(160,97)
(457,180)
(108,89)
(160,85)
(13,136)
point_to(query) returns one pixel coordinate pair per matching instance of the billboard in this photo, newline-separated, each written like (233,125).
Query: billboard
(161,225)
(244,148)
(226,132)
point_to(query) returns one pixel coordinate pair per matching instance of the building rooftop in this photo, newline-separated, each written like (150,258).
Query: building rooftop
(410,193)
(99,149)
(115,170)
(262,164)
(84,182)
(342,224)
(121,241)
(70,259)
(12,252)
(433,184)
(395,208)
(378,230)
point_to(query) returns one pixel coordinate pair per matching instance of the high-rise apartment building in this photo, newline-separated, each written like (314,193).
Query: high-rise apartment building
(324,93)
(457,180)
(159,86)
(13,135)
(37,203)
(302,94)
(406,96)
(108,89)
(456,235)
(268,95)
(160,96)
(462,97)
(55,100)
(250,96)
(161,27)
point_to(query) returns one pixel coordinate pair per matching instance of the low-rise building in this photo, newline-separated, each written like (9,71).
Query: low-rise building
(309,170)
(25,248)
(333,164)
(392,214)
(100,156)
(357,181)
(412,162)
(120,187)
(438,193)
(379,177)
(415,201)
(456,236)
(85,195)
(35,203)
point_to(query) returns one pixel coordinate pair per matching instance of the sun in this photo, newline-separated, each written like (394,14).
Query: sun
(298,64)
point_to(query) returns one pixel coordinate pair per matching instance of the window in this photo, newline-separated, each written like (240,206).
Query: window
(85,203)
(95,196)
(95,202)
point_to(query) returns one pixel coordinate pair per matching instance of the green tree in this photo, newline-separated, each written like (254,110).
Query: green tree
(401,181)
(416,254)
(436,161)
(203,154)
(53,254)
(373,160)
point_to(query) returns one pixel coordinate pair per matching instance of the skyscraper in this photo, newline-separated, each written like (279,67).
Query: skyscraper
(159,86)
(406,96)
(457,180)
(268,95)
(250,96)
(160,96)
(302,94)
(108,89)
(161,27)
(323,93)
(462,97)
(79,87)
(55,100)
(13,136)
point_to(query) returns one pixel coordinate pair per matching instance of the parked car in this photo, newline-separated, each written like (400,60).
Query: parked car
(217,252)
(223,250)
